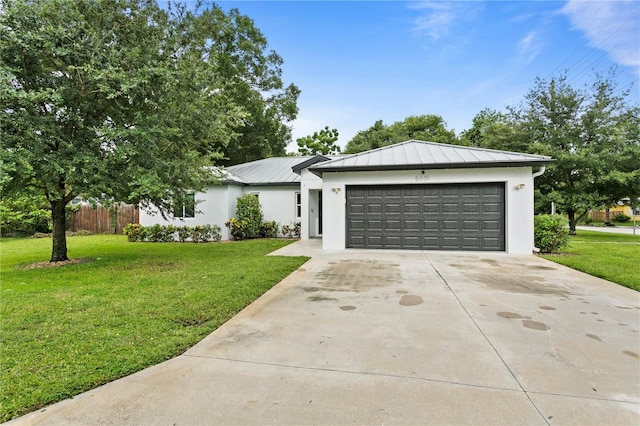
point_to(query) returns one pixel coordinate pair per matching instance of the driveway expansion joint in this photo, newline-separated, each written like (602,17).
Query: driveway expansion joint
(504,363)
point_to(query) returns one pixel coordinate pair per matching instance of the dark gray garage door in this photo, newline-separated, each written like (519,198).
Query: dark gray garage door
(426,217)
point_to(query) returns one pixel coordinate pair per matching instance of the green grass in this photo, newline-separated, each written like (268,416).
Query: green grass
(614,257)
(68,329)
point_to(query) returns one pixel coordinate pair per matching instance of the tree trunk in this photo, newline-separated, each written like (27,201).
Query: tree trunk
(58,216)
(572,222)
(607,217)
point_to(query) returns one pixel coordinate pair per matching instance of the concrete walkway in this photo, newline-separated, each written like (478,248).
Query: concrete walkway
(391,337)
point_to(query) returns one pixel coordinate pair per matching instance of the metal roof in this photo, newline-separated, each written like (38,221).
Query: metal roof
(268,171)
(413,154)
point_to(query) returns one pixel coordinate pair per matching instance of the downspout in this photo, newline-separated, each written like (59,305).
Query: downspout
(533,176)
(539,172)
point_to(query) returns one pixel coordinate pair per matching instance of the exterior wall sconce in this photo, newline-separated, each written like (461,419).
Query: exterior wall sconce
(519,186)
(335,190)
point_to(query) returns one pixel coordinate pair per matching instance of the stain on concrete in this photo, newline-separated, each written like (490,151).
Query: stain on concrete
(594,313)
(535,325)
(622,307)
(402,292)
(320,298)
(348,308)
(542,268)
(601,320)
(586,303)
(509,315)
(357,275)
(490,262)
(622,324)
(410,300)
(631,354)
(594,337)
(547,308)
(514,283)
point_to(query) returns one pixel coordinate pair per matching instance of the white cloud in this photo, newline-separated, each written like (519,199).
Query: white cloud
(529,47)
(437,18)
(612,26)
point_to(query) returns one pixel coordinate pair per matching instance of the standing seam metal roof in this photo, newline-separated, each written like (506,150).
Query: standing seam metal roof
(268,171)
(415,154)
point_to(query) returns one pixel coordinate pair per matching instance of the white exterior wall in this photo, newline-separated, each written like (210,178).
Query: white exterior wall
(309,219)
(518,202)
(213,207)
(217,205)
(278,202)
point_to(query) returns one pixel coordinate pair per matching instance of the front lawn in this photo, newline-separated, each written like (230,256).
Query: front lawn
(614,257)
(68,329)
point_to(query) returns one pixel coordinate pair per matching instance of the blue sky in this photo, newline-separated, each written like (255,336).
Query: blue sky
(361,61)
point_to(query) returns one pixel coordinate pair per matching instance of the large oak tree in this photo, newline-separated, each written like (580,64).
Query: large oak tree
(120,100)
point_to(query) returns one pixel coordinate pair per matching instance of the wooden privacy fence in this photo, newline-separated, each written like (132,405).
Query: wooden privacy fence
(98,220)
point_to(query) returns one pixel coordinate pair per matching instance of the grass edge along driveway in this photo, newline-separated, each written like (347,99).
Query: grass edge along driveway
(65,330)
(613,257)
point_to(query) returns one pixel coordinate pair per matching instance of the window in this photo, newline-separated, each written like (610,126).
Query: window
(298,205)
(185,206)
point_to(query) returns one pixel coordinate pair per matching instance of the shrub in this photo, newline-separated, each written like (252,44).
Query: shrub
(184,232)
(269,229)
(133,231)
(237,228)
(169,233)
(24,215)
(248,210)
(550,233)
(620,218)
(291,231)
(204,233)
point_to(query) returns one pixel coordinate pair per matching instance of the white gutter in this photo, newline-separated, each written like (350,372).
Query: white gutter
(539,172)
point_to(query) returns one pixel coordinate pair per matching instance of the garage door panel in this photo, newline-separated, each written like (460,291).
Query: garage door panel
(393,208)
(374,224)
(431,208)
(376,208)
(432,217)
(411,208)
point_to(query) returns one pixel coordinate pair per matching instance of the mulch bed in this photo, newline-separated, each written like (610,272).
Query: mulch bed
(47,264)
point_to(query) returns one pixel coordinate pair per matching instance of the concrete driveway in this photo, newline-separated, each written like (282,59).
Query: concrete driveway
(391,337)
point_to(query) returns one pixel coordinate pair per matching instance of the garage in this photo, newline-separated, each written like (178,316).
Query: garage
(418,195)
(426,217)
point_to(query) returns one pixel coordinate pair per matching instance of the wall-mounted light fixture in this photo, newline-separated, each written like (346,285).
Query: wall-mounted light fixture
(335,190)
(519,186)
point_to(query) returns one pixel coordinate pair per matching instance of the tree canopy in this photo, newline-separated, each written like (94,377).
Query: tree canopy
(431,128)
(126,101)
(592,132)
(322,142)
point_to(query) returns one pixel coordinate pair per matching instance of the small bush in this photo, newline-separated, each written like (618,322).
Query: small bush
(621,218)
(184,233)
(133,231)
(269,229)
(550,233)
(205,233)
(237,228)
(291,231)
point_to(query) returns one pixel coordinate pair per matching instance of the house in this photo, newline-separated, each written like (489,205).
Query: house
(616,209)
(412,195)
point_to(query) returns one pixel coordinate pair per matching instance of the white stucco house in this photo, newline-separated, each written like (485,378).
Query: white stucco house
(412,195)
